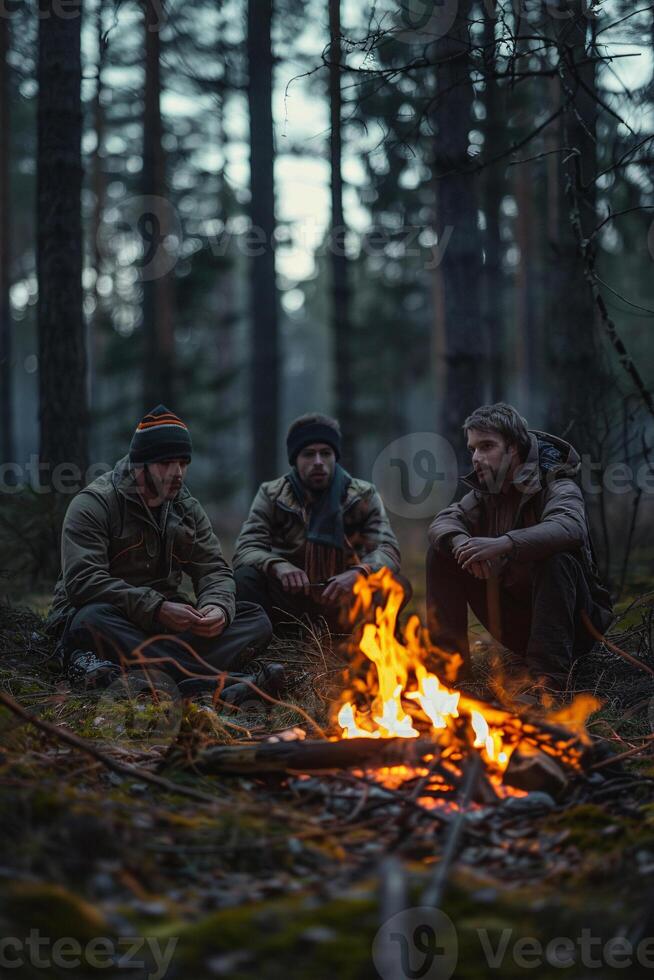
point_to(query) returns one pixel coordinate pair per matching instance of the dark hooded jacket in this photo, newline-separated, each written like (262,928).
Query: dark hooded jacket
(543,513)
(114,551)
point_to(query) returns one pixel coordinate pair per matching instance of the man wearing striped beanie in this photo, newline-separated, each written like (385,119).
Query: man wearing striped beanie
(128,539)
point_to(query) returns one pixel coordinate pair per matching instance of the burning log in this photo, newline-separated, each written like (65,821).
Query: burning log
(313,755)
(536,771)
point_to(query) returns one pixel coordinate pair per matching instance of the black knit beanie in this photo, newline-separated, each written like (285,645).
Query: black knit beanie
(159,436)
(310,432)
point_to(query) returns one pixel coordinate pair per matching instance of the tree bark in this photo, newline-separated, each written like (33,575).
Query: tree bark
(158,327)
(493,184)
(7,447)
(264,373)
(98,184)
(461,268)
(341,327)
(63,410)
(574,358)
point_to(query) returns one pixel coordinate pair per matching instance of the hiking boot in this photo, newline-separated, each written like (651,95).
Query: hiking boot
(86,671)
(270,678)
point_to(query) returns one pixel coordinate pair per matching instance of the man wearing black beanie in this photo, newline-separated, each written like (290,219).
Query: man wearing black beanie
(312,533)
(127,539)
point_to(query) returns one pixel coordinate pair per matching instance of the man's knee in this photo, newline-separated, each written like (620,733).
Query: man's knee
(561,565)
(94,615)
(255,619)
(250,581)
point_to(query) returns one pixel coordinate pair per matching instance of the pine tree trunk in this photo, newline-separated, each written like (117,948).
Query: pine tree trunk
(341,327)
(98,184)
(574,358)
(493,187)
(456,213)
(264,376)
(7,448)
(63,410)
(158,349)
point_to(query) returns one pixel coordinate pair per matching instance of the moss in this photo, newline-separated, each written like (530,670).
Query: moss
(53,910)
(294,938)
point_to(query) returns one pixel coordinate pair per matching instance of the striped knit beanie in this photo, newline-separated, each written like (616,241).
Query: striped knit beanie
(160,435)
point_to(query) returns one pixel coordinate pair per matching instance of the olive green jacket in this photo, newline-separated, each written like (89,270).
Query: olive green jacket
(113,551)
(276,529)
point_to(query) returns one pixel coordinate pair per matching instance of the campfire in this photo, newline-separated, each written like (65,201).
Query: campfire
(402,726)
(403,692)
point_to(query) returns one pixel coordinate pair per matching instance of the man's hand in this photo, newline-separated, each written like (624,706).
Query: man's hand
(211,623)
(178,616)
(339,586)
(292,579)
(482,550)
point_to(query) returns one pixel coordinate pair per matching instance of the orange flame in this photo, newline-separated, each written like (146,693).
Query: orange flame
(407,700)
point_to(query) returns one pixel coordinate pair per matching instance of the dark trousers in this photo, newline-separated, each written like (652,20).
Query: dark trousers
(105,630)
(253,585)
(545,628)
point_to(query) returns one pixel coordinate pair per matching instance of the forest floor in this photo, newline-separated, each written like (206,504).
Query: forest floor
(288,876)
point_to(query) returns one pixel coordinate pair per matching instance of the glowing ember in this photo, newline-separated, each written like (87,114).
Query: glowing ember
(401,698)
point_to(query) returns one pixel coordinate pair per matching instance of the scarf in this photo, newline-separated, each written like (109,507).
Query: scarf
(325,547)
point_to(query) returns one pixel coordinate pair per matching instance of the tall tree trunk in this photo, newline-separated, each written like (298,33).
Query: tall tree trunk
(340,311)
(63,410)
(524,310)
(98,184)
(158,351)
(7,448)
(264,392)
(575,363)
(493,186)
(456,215)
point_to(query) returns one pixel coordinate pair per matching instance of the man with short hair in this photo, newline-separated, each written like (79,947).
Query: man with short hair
(127,539)
(517,549)
(311,534)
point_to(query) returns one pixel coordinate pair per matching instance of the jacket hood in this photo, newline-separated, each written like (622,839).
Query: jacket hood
(549,458)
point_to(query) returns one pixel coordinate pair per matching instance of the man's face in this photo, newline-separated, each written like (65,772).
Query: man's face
(315,464)
(493,458)
(167,477)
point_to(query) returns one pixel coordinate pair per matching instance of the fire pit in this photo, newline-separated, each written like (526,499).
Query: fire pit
(402,723)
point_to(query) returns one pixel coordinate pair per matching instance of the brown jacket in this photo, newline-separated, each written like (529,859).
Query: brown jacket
(276,527)
(113,550)
(543,513)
